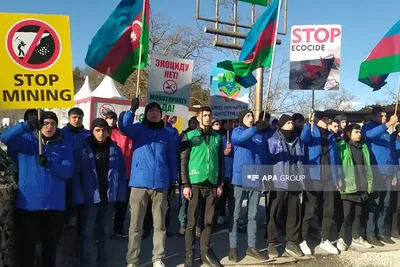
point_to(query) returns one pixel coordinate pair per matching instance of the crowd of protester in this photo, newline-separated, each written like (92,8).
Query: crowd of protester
(343,172)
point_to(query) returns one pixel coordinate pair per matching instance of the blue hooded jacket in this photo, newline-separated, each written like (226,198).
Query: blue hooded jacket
(313,153)
(380,148)
(85,183)
(40,188)
(395,141)
(249,150)
(154,162)
(278,157)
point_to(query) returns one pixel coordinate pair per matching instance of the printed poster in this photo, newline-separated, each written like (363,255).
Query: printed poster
(228,97)
(315,57)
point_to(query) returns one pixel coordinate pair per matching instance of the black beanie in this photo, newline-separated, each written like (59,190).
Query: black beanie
(99,122)
(48,115)
(241,116)
(284,119)
(32,110)
(150,106)
(298,116)
(75,111)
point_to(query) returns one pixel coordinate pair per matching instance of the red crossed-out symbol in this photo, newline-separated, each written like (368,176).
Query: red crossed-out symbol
(170,87)
(33,44)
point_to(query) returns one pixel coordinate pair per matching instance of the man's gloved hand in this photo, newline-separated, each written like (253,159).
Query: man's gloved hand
(35,124)
(42,160)
(134,104)
(171,191)
(262,126)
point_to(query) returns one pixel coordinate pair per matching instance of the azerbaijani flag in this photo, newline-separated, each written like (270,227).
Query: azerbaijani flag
(257,2)
(257,48)
(115,49)
(383,60)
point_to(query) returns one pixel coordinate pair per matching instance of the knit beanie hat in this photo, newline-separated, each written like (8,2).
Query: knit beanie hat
(28,111)
(284,119)
(150,106)
(99,122)
(48,115)
(298,116)
(242,114)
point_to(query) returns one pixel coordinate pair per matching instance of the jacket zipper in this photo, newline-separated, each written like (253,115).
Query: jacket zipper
(46,178)
(155,160)
(208,157)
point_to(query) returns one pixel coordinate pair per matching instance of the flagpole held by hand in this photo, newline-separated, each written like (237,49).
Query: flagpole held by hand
(272,61)
(397,97)
(140,50)
(40,134)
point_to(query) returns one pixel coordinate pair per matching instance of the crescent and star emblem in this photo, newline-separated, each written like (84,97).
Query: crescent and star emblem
(135,34)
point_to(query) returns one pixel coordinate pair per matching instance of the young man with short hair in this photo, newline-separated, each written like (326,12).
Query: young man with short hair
(355,185)
(202,172)
(40,203)
(99,183)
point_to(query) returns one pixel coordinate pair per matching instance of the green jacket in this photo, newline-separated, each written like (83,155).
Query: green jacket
(348,175)
(202,160)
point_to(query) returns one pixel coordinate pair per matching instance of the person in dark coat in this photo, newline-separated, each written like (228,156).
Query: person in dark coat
(285,158)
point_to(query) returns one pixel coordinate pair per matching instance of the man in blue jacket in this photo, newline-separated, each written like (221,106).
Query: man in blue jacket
(322,162)
(41,186)
(249,149)
(73,133)
(378,141)
(154,170)
(98,184)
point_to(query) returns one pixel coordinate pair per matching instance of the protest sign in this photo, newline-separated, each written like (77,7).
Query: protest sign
(228,98)
(37,61)
(170,80)
(315,57)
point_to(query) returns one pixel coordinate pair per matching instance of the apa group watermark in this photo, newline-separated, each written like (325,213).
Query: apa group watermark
(275,178)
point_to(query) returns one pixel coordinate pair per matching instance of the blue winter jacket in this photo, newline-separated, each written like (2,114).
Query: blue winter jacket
(278,158)
(249,150)
(313,152)
(154,162)
(85,183)
(40,188)
(175,134)
(74,139)
(378,141)
(228,158)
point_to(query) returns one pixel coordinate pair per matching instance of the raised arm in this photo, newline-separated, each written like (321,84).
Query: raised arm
(13,137)
(128,127)
(371,132)
(239,137)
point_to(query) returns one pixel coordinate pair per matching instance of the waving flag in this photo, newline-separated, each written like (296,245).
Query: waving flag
(258,47)
(383,60)
(257,2)
(115,49)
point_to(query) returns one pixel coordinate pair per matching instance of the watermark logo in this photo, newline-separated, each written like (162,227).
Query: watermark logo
(253,177)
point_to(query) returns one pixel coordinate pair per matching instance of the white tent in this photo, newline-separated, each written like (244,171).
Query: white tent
(85,90)
(107,89)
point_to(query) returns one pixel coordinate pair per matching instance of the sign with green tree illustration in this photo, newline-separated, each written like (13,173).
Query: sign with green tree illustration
(228,97)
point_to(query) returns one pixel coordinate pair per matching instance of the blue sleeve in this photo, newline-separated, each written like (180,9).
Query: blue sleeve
(177,140)
(372,133)
(305,135)
(128,127)
(172,161)
(224,139)
(122,182)
(62,167)
(239,137)
(13,137)
(77,191)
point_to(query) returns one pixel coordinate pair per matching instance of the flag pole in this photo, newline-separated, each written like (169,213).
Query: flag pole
(312,107)
(272,61)
(40,134)
(397,97)
(140,51)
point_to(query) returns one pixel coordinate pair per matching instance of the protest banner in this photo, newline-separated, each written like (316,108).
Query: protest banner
(170,80)
(37,62)
(315,57)
(228,98)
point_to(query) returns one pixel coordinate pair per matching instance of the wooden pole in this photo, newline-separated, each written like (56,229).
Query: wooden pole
(140,53)
(40,134)
(312,108)
(272,61)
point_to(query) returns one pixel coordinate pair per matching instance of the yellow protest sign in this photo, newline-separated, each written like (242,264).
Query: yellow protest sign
(35,54)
